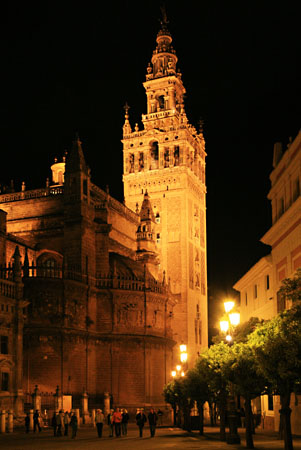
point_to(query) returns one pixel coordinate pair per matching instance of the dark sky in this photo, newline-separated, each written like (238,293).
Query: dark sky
(68,68)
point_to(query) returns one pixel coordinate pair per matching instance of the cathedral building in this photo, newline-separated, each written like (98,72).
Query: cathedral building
(97,295)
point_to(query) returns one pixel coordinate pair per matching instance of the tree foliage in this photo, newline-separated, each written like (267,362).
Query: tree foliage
(291,287)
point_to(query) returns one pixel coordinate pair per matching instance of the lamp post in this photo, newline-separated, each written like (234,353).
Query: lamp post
(227,326)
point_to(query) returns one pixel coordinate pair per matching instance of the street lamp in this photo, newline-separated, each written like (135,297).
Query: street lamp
(227,326)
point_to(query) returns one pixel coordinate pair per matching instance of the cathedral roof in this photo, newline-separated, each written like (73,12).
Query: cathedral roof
(127,267)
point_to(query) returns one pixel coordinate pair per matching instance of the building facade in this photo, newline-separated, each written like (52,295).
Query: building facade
(259,287)
(110,288)
(166,159)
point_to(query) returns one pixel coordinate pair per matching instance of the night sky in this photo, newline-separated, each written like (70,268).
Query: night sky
(68,68)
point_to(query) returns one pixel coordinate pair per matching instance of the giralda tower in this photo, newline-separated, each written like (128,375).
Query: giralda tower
(166,160)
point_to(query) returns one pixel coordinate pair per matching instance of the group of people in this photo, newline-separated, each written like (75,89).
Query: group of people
(60,423)
(117,421)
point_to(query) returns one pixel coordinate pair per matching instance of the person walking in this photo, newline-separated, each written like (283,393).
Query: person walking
(152,420)
(99,419)
(27,422)
(124,422)
(36,421)
(73,424)
(110,422)
(160,417)
(54,424)
(117,418)
(140,420)
(59,423)
(66,423)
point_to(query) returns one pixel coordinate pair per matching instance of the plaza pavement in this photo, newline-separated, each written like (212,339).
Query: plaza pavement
(166,438)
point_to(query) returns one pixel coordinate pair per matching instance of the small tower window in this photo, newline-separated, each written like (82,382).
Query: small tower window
(166,157)
(141,161)
(161,102)
(177,155)
(131,163)
(157,218)
(158,237)
(154,151)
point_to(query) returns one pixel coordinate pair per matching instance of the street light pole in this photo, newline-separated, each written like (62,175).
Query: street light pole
(227,326)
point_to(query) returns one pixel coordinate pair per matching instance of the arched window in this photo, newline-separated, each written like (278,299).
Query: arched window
(48,267)
(154,151)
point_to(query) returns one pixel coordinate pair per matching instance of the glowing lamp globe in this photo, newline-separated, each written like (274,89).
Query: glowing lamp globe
(234,318)
(224,325)
(229,305)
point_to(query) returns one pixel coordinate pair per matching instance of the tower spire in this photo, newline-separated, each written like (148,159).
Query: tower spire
(127,126)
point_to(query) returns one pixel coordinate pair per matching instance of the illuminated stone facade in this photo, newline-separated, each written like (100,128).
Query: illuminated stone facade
(97,320)
(259,287)
(166,159)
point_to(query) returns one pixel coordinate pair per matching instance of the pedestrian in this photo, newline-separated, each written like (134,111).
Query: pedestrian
(117,418)
(99,419)
(54,424)
(66,423)
(110,422)
(152,420)
(36,421)
(27,422)
(58,423)
(140,420)
(124,422)
(160,417)
(73,424)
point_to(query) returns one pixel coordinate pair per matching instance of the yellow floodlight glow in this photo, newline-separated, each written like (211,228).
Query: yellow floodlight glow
(178,368)
(182,374)
(228,338)
(224,326)
(173,373)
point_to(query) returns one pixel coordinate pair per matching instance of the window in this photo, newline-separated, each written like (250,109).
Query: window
(270,403)
(4,345)
(267,282)
(4,381)
(157,218)
(158,238)
(255,291)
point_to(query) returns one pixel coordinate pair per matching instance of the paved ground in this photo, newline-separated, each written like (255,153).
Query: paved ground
(166,438)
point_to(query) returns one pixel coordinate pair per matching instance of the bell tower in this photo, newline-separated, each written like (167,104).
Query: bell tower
(166,159)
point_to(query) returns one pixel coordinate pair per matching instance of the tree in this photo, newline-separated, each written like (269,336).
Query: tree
(248,383)
(213,366)
(277,348)
(291,287)
(171,394)
(196,388)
